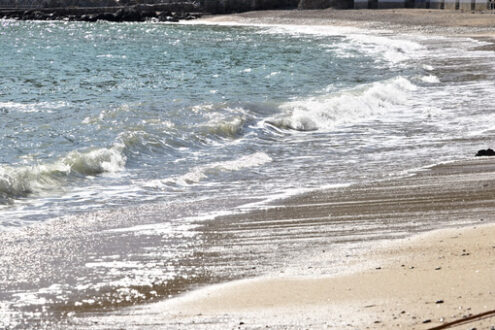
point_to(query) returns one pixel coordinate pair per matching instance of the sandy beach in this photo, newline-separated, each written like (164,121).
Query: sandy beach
(417,282)
(431,279)
(420,283)
(440,275)
(413,250)
(395,19)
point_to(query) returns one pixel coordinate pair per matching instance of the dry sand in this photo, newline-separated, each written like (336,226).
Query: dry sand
(441,22)
(417,19)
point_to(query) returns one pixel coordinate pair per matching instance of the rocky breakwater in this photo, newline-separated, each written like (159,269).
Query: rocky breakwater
(128,11)
(165,12)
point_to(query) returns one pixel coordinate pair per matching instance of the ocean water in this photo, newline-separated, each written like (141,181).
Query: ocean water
(184,121)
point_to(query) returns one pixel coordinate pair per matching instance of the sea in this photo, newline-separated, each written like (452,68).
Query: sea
(118,140)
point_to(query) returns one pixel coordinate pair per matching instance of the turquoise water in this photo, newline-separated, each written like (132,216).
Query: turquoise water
(106,127)
(98,115)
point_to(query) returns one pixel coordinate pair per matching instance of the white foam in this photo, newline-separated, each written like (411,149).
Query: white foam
(327,111)
(392,49)
(272,74)
(111,56)
(198,173)
(222,125)
(428,67)
(47,107)
(97,161)
(431,79)
(375,42)
(322,30)
(286,194)
(201,172)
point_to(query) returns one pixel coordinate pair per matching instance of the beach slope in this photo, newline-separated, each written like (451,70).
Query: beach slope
(422,282)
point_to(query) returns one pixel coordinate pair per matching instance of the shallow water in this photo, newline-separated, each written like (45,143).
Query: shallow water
(161,123)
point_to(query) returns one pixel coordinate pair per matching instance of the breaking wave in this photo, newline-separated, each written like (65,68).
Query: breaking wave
(226,128)
(358,104)
(24,180)
(224,122)
(431,79)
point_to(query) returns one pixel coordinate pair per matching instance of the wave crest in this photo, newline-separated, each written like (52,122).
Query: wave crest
(24,180)
(226,123)
(96,161)
(349,106)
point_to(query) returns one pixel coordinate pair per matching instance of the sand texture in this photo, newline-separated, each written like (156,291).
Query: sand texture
(403,20)
(416,282)
(422,282)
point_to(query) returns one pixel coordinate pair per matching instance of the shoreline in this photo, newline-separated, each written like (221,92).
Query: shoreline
(402,20)
(445,195)
(421,282)
(424,278)
(449,198)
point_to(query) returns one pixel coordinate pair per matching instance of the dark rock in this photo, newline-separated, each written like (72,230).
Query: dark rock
(37,15)
(118,16)
(102,17)
(166,17)
(111,10)
(427,321)
(149,14)
(88,18)
(132,15)
(52,16)
(27,15)
(106,17)
(439,302)
(487,152)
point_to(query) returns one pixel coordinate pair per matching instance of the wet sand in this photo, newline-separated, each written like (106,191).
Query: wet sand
(421,282)
(416,282)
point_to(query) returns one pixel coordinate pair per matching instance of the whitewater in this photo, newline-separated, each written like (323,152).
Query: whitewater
(152,129)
